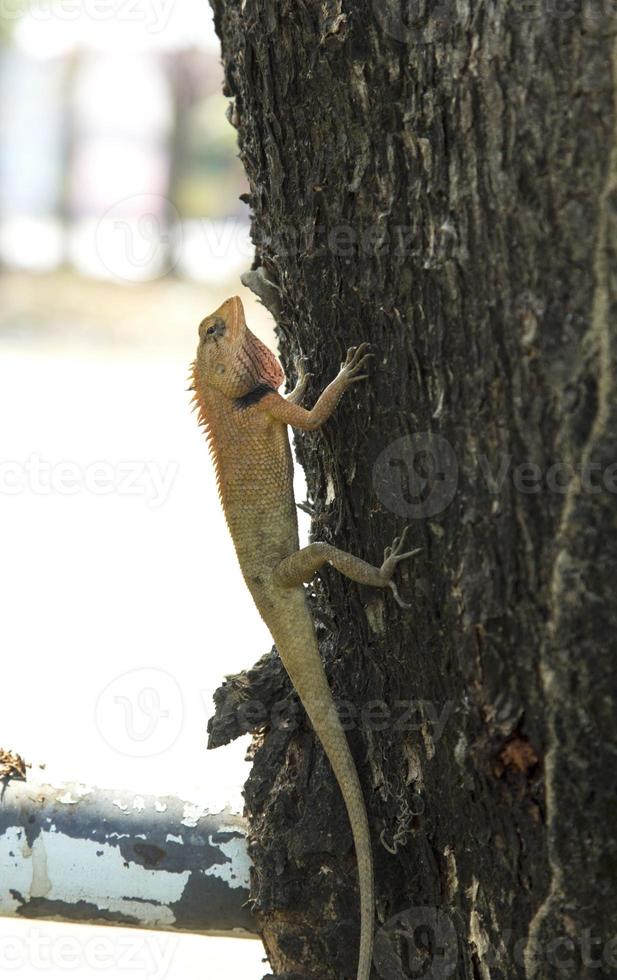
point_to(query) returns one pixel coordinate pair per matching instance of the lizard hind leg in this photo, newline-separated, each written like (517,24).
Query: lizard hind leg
(302,565)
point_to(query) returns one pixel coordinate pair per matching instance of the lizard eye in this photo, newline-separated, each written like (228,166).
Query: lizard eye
(217,329)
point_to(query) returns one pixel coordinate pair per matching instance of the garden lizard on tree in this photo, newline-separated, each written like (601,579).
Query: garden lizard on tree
(235,378)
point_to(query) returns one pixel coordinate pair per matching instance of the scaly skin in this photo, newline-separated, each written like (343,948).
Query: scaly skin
(235,378)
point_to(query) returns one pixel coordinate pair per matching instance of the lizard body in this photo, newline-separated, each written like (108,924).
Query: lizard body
(235,378)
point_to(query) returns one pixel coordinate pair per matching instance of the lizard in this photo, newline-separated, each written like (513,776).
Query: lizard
(235,378)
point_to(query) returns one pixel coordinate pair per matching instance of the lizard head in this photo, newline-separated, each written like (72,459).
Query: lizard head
(230,357)
(220,340)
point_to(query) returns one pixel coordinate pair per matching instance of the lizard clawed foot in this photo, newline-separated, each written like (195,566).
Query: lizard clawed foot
(403,605)
(394,550)
(300,363)
(392,555)
(355,362)
(303,376)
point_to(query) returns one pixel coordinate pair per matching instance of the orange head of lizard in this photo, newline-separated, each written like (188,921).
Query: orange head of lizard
(230,357)
(218,362)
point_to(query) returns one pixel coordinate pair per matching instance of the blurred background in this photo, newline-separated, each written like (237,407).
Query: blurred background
(121,226)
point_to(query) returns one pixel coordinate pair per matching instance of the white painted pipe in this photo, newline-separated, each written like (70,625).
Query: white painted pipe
(81,854)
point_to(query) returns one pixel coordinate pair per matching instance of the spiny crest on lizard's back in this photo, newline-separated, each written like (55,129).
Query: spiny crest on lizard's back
(197,404)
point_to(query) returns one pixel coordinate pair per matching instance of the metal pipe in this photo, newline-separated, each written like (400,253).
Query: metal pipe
(81,854)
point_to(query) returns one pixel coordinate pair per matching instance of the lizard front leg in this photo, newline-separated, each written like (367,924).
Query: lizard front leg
(286,411)
(303,564)
(297,394)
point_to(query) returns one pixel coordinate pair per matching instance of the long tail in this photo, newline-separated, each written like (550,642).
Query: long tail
(303,664)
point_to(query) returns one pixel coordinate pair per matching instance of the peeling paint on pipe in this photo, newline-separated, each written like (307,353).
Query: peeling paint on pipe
(80,854)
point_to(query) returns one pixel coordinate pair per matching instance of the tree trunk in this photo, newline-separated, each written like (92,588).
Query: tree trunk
(441,180)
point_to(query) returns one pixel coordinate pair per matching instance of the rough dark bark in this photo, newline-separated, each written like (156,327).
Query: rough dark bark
(442,181)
